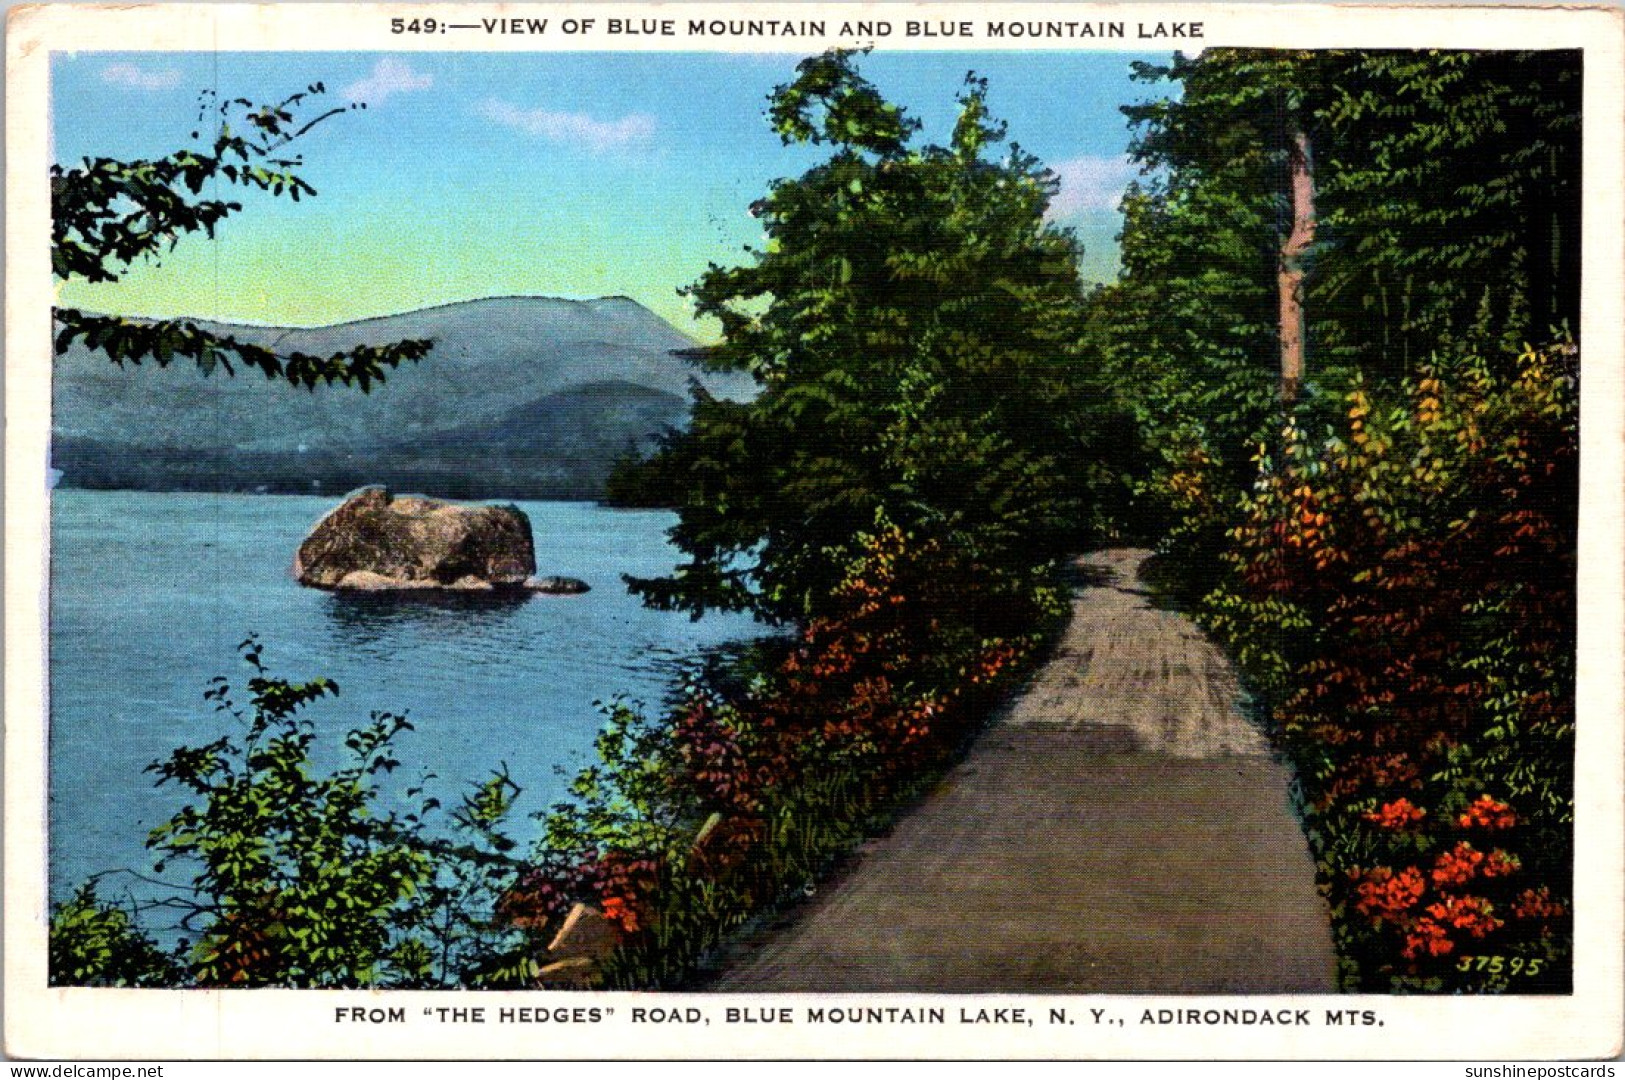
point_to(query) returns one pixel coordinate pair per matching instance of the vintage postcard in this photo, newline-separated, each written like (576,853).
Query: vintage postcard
(813,531)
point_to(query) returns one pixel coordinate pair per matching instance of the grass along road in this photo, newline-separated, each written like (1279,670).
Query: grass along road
(1121,828)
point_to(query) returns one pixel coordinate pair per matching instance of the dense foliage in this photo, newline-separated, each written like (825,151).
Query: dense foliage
(1336,370)
(1446,191)
(106,214)
(1403,594)
(94,943)
(927,443)
(912,323)
(297,877)
(876,492)
(737,801)
(1389,555)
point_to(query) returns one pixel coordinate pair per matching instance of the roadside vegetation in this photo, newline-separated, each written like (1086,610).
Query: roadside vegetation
(1345,324)
(1336,382)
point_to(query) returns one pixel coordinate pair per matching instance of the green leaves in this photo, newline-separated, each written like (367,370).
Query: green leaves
(1402,604)
(829,102)
(916,352)
(1395,597)
(1446,186)
(1455,181)
(134,341)
(106,214)
(299,878)
(94,943)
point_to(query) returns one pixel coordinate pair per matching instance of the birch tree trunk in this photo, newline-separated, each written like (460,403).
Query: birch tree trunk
(1293,256)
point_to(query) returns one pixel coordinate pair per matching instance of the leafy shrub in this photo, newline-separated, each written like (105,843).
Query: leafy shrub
(730,804)
(912,323)
(298,879)
(1403,598)
(94,943)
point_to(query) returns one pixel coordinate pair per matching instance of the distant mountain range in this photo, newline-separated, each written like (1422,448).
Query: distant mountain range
(521,397)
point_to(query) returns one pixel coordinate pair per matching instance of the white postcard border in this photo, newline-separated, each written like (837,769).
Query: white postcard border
(118,1024)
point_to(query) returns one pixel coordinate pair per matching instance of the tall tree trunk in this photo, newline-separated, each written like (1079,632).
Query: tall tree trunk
(1294,251)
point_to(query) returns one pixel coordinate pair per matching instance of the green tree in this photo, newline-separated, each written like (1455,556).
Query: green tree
(1445,209)
(95,943)
(1239,140)
(912,324)
(1452,204)
(106,214)
(1193,328)
(1377,554)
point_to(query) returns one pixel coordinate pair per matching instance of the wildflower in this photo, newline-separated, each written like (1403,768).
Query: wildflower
(1486,812)
(618,911)
(1399,814)
(1426,936)
(1458,865)
(1536,904)
(1470,913)
(1384,894)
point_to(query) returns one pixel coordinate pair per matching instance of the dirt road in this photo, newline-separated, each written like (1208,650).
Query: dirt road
(1120,829)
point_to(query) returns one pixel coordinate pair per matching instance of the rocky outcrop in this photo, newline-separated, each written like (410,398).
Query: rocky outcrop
(578,951)
(375,541)
(558,586)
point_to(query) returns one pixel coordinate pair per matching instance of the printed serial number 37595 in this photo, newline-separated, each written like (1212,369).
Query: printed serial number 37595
(1495,965)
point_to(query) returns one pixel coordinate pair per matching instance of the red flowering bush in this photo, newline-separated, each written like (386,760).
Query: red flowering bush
(1402,597)
(1537,904)
(1458,865)
(729,803)
(1488,813)
(1399,814)
(1384,894)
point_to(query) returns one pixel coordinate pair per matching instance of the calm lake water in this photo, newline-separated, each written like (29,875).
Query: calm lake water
(151,593)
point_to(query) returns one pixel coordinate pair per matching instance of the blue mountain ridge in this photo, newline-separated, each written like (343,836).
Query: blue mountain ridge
(521,397)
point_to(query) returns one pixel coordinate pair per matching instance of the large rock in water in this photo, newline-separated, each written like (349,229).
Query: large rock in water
(375,541)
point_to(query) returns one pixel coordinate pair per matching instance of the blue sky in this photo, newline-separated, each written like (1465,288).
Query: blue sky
(567,174)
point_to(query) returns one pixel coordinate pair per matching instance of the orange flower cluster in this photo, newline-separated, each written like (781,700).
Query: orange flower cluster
(1536,904)
(992,662)
(619,885)
(1403,593)
(1436,928)
(625,886)
(1430,934)
(1426,937)
(875,689)
(1458,865)
(1399,814)
(1488,813)
(618,911)
(1384,894)
(1473,914)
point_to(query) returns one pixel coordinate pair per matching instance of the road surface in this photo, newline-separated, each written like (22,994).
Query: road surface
(1120,829)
